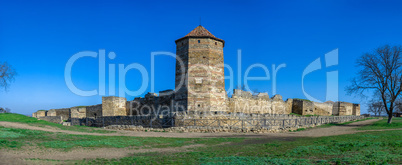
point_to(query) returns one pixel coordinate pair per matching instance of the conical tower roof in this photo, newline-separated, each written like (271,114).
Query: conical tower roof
(200,32)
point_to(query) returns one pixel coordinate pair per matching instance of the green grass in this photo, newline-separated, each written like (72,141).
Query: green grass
(310,115)
(345,123)
(295,114)
(81,106)
(16,138)
(361,148)
(13,117)
(302,99)
(332,124)
(377,147)
(382,124)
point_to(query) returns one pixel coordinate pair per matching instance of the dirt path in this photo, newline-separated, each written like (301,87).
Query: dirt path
(20,156)
(80,153)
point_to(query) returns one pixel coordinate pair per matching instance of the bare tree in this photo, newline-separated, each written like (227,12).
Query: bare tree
(376,107)
(5,110)
(380,71)
(398,106)
(7,73)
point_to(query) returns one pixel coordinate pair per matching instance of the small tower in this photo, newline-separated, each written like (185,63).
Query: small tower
(200,78)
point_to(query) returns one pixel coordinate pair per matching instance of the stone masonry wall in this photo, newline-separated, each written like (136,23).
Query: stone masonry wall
(217,123)
(200,81)
(114,106)
(41,113)
(78,112)
(356,109)
(342,108)
(153,104)
(306,107)
(63,112)
(322,109)
(245,102)
(303,107)
(94,111)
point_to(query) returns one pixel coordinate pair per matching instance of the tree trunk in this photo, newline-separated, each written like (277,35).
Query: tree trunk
(389,118)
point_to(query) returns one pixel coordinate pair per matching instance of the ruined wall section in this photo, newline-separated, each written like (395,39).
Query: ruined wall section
(114,106)
(152,104)
(303,107)
(94,111)
(279,106)
(78,112)
(307,107)
(356,109)
(322,109)
(342,109)
(64,113)
(244,102)
(41,113)
(86,111)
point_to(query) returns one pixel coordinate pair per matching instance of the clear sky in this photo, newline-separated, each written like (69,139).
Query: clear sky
(39,37)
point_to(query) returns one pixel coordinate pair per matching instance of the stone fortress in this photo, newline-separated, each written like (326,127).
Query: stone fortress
(199,89)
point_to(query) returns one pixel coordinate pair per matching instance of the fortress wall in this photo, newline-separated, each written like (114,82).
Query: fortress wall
(342,108)
(114,106)
(356,109)
(78,112)
(322,109)
(41,113)
(222,125)
(244,102)
(306,107)
(153,104)
(34,114)
(94,110)
(303,107)
(63,112)
(279,106)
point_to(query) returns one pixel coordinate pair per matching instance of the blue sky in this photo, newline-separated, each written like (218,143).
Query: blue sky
(38,38)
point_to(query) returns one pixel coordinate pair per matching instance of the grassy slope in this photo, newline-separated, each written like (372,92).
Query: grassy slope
(12,138)
(382,124)
(381,147)
(13,117)
(362,148)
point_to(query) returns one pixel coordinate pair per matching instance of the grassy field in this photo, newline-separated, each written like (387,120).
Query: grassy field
(382,124)
(13,117)
(345,123)
(12,138)
(374,147)
(362,148)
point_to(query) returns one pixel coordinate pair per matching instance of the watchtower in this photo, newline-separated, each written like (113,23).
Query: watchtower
(200,78)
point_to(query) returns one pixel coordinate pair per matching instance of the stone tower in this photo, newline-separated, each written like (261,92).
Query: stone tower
(200,78)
